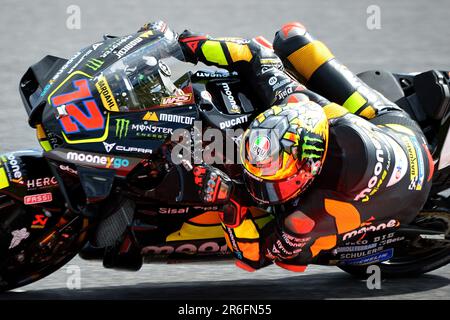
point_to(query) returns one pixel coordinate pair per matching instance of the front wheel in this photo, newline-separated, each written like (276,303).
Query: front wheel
(35,242)
(423,256)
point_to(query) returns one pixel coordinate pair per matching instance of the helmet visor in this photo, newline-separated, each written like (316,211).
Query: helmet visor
(279,191)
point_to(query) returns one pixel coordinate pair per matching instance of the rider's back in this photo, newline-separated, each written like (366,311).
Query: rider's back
(374,165)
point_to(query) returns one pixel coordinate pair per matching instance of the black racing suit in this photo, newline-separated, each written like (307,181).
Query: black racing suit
(378,168)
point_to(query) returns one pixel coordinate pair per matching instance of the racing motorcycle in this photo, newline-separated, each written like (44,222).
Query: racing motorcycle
(104,183)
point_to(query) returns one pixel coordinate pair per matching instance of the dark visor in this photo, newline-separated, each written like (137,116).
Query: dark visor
(274,192)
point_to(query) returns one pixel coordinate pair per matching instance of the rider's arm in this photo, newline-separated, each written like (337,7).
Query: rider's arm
(253,59)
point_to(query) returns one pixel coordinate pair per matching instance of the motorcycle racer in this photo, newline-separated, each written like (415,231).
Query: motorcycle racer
(366,159)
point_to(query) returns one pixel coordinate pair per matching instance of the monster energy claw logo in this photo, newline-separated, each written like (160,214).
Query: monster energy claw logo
(309,150)
(94,64)
(122,128)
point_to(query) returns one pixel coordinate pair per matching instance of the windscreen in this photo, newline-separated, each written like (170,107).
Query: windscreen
(148,76)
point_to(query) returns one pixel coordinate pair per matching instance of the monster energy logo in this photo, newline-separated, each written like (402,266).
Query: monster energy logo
(122,128)
(94,64)
(310,150)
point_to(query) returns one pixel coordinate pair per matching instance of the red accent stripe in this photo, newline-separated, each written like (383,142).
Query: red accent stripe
(292,99)
(430,162)
(291,25)
(193,39)
(264,42)
(290,267)
(244,266)
(126,245)
(216,189)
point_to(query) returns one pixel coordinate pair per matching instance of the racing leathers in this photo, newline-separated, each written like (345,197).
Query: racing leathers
(378,170)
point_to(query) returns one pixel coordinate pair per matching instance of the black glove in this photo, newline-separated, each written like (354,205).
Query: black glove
(189,42)
(215,186)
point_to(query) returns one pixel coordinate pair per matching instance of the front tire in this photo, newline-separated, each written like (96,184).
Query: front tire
(43,251)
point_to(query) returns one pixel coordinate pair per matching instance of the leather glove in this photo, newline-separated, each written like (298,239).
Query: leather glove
(189,42)
(215,185)
(217,188)
(236,210)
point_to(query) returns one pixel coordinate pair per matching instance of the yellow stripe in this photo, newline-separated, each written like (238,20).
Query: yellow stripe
(212,50)
(4,183)
(111,104)
(309,58)
(192,232)
(146,34)
(290,136)
(400,128)
(276,110)
(45,145)
(261,117)
(354,102)
(412,156)
(246,230)
(40,132)
(334,110)
(368,112)
(239,52)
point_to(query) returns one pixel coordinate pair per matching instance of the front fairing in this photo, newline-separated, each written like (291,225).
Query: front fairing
(81,112)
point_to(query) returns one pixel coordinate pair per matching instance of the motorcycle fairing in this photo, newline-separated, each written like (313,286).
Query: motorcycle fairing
(96,183)
(199,234)
(120,165)
(35,82)
(84,121)
(44,92)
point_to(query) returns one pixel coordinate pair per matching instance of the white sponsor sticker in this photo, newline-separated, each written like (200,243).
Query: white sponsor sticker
(38,198)
(18,237)
(108,146)
(401,163)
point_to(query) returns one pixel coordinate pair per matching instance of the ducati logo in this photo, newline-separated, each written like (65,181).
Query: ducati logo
(109,146)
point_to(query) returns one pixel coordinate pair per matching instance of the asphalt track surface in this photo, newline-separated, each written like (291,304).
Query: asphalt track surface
(413,37)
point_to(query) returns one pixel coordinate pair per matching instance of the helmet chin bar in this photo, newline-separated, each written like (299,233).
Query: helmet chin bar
(277,191)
